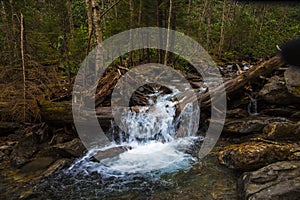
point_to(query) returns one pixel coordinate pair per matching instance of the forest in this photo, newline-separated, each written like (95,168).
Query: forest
(43,155)
(58,35)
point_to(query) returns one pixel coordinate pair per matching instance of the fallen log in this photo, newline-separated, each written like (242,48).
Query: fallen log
(106,87)
(61,112)
(235,84)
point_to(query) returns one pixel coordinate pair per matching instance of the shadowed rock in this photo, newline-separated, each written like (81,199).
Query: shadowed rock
(280,180)
(282,131)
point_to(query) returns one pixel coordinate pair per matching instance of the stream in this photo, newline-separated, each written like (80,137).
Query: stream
(157,164)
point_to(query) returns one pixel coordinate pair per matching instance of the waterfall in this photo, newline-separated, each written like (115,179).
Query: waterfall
(151,136)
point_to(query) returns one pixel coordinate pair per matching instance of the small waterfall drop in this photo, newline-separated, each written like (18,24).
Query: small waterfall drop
(252,106)
(151,137)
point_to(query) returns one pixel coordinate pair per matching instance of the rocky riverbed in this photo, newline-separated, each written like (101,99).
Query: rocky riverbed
(257,156)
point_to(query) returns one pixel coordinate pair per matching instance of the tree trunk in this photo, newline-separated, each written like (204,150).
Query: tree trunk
(65,49)
(189,7)
(222,28)
(208,29)
(70,16)
(131,8)
(264,12)
(168,33)
(202,18)
(23,64)
(88,7)
(103,10)
(160,25)
(96,21)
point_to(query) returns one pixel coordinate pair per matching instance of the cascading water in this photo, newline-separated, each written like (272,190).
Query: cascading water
(153,151)
(252,106)
(152,139)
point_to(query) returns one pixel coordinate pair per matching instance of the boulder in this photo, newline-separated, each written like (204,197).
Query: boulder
(36,165)
(111,152)
(292,79)
(282,131)
(71,149)
(276,92)
(281,112)
(249,124)
(7,128)
(237,113)
(280,180)
(254,155)
(24,150)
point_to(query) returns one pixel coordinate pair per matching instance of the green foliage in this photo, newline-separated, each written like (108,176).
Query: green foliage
(251,31)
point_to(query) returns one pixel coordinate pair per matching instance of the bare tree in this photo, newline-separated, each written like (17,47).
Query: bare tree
(23,64)
(88,7)
(96,21)
(264,12)
(70,16)
(202,18)
(131,26)
(160,36)
(168,33)
(208,19)
(222,28)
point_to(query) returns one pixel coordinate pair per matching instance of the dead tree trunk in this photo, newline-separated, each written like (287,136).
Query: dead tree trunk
(90,23)
(70,16)
(222,28)
(61,112)
(23,65)
(96,21)
(168,33)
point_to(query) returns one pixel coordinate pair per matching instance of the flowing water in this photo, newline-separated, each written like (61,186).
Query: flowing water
(158,163)
(155,153)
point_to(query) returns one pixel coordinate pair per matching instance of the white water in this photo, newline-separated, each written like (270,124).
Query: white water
(252,107)
(152,139)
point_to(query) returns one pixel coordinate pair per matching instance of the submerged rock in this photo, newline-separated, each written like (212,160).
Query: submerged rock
(280,180)
(282,131)
(292,79)
(254,155)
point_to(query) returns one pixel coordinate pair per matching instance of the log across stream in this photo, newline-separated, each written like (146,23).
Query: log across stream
(60,113)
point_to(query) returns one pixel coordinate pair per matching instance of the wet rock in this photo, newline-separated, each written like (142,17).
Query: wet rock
(237,113)
(40,163)
(70,149)
(282,131)
(111,152)
(280,180)
(1,156)
(42,131)
(61,138)
(56,166)
(8,128)
(24,150)
(276,92)
(279,112)
(254,155)
(292,78)
(296,115)
(250,124)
